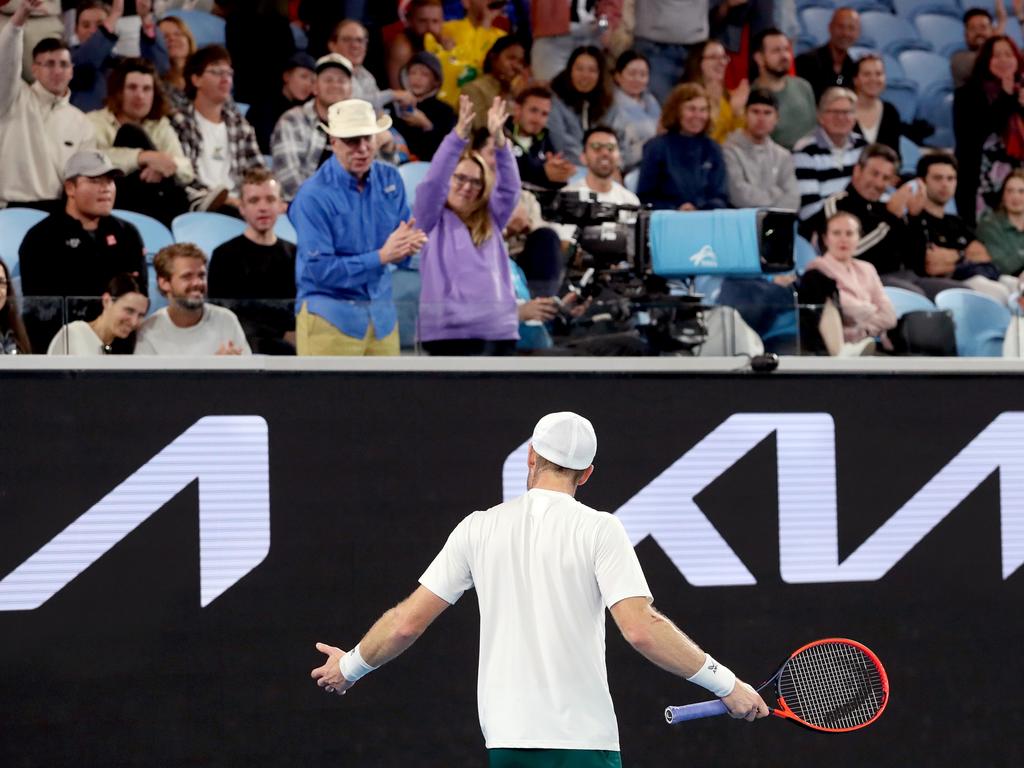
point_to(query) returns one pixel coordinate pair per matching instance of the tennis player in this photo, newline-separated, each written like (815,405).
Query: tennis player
(544,567)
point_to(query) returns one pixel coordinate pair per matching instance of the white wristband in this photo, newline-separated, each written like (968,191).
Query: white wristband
(353,666)
(715,677)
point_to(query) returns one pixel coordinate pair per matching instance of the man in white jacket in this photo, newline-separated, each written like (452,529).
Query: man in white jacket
(39,129)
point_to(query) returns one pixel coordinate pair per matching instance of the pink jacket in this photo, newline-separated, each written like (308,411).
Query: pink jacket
(867,311)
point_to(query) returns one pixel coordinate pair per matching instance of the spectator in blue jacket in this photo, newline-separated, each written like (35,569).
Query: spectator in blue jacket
(93,57)
(683,168)
(353,220)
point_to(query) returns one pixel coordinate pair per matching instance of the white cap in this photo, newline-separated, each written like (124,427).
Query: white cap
(566,439)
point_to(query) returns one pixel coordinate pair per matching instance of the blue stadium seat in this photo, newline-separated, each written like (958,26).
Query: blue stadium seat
(412,174)
(804,43)
(284,229)
(243,109)
(631,180)
(300,37)
(938,111)
(980,321)
(14,223)
(911,9)
(868,5)
(803,254)
(929,70)
(206,28)
(910,153)
(814,22)
(890,33)
(893,68)
(154,234)
(902,94)
(207,230)
(801,4)
(945,33)
(579,175)
(904,301)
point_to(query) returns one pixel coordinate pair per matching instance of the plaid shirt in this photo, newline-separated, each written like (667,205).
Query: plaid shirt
(242,145)
(297,144)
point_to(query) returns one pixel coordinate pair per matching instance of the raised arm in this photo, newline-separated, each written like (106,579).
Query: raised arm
(507,186)
(392,634)
(432,193)
(661,642)
(12,43)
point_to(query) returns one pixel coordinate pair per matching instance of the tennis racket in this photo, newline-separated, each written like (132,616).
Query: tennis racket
(833,685)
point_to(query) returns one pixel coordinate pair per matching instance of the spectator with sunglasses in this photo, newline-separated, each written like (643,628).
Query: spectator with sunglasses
(467,301)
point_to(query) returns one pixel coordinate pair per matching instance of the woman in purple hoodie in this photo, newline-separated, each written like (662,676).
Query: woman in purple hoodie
(467,302)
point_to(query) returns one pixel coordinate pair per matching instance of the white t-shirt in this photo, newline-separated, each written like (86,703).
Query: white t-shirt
(214,166)
(77,338)
(160,336)
(618,195)
(544,567)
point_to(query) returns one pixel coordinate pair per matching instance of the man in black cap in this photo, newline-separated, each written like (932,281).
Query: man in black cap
(74,253)
(298,145)
(424,125)
(297,81)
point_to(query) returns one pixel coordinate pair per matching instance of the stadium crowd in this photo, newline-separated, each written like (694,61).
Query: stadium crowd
(308,109)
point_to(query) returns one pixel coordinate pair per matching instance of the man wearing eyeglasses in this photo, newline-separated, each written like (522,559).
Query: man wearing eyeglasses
(353,221)
(39,128)
(214,136)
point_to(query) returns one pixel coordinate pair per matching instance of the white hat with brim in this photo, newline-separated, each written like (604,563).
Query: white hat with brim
(354,117)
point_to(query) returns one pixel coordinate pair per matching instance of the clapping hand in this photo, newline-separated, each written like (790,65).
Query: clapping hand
(403,242)
(497,116)
(466,115)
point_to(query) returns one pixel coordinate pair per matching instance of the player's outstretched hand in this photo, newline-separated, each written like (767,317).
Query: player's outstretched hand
(746,703)
(329,675)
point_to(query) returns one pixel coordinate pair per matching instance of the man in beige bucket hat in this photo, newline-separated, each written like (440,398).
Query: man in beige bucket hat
(353,220)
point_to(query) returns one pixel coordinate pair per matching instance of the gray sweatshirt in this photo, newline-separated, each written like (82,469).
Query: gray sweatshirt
(759,175)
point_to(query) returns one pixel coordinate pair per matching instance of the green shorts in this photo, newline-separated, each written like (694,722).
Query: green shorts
(553,758)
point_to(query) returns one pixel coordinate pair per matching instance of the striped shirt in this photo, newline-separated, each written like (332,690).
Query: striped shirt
(822,169)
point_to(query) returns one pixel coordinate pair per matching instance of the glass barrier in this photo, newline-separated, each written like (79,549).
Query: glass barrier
(570,325)
(30,329)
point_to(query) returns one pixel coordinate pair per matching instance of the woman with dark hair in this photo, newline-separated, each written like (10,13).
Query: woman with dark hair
(635,112)
(583,94)
(683,168)
(467,301)
(706,65)
(13,339)
(503,65)
(134,132)
(988,121)
(1001,231)
(181,44)
(878,121)
(113,332)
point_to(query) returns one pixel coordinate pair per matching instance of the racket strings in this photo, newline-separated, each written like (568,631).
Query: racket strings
(832,685)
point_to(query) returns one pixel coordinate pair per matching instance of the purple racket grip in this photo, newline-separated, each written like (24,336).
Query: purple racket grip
(675,715)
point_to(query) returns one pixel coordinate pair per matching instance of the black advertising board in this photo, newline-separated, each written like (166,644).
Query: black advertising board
(268,511)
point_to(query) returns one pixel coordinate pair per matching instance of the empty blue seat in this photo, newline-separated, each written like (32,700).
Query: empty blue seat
(412,174)
(206,28)
(938,111)
(801,4)
(910,153)
(14,224)
(804,43)
(207,230)
(902,94)
(980,322)
(904,301)
(284,229)
(945,33)
(911,9)
(631,180)
(929,70)
(814,22)
(803,254)
(154,234)
(890,33)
